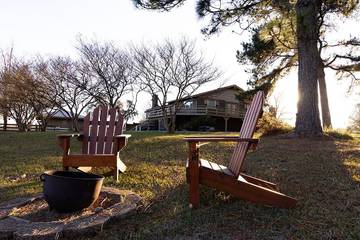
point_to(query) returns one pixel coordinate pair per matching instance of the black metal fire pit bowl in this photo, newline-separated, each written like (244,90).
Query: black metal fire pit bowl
(67,191)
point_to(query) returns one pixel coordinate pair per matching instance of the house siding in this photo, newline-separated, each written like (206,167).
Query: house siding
(228,95)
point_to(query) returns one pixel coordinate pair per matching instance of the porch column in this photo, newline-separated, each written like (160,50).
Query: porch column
(226,123)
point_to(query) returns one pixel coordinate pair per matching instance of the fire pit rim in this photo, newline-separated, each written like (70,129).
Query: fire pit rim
(21,228)
(51,173)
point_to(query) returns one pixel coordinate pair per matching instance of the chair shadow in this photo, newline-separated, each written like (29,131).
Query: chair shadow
(313,171)
(320,174)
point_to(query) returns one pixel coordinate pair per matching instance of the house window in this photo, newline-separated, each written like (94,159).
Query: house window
(231,107)
(210,103)
(188,104)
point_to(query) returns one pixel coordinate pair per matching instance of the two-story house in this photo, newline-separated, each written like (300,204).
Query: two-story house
(219,107)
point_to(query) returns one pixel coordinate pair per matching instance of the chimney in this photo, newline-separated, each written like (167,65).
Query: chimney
(154,100)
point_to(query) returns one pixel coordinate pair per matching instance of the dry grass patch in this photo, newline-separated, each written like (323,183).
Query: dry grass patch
(323,175)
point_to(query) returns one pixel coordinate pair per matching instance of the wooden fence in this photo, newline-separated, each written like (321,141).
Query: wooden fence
(32,128)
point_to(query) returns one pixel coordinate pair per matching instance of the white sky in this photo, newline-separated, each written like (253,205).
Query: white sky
(51,27)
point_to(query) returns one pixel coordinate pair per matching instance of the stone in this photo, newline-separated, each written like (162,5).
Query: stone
(116,191)
(133,198)
(4,213)
(124,202)
(124,195)
(98,209)
(119,211)
(39,230)
(116,194)
(85,226)
(9,225)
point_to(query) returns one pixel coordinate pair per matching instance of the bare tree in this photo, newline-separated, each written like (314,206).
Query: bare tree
(355,120)
(17,84)
(25,94)
(44,100)
(276,108)
(128,110)
(63,75)
(108,71)
(7,58)
(172,69)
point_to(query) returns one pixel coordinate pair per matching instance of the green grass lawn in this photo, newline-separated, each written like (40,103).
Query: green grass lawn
(323,175)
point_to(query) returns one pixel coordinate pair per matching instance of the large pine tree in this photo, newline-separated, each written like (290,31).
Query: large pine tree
(309,18)
(272,53)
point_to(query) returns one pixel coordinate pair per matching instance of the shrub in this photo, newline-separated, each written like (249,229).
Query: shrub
(269,125)
(338,134)
(196,122)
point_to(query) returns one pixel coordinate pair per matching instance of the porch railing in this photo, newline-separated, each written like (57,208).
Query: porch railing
(200,111)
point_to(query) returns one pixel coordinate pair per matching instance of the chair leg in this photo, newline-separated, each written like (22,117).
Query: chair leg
(194,177)
(194,194)
(194,188)
(116,174)
(120,165)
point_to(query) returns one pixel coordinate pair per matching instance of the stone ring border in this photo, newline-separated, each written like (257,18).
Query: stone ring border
(17,228)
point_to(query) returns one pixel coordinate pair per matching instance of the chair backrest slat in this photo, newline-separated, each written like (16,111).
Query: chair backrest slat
(119,124)
(94,131)
(86,126)
(110,131)
(247,131)
(118,127)
(102,130)
(99,130)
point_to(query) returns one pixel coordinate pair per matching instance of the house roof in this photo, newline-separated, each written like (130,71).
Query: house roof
(60,114)
(235,87)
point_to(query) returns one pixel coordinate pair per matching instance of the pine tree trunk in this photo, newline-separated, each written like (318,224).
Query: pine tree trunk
(325,111)
(307,118)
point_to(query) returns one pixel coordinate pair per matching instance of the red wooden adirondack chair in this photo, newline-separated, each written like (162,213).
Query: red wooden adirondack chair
(102,140)
(230,179)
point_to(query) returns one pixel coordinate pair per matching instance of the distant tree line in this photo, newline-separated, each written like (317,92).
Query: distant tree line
(104,74)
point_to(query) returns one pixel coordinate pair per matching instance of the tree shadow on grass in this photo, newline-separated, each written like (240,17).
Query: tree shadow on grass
(322,175)
(313,171)
(20,189)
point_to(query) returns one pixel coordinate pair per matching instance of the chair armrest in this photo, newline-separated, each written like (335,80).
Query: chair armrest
(194,140)
(121,141)
(64,141)
(220,139)
(123,136)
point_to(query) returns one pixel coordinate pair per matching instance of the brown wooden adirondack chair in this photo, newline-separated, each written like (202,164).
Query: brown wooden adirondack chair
(230,179)
(102,140)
